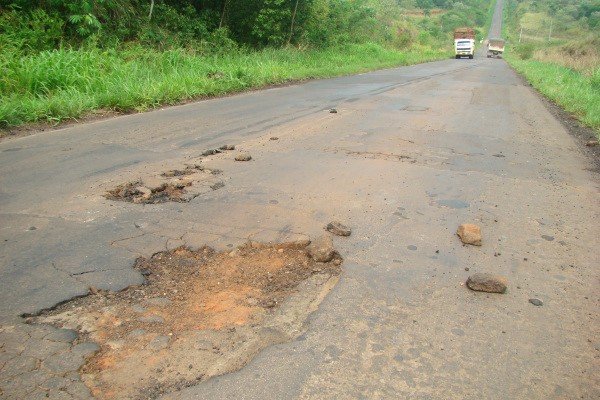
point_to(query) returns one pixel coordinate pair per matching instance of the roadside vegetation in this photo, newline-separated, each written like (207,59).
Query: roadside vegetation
(63,59)
(555,44)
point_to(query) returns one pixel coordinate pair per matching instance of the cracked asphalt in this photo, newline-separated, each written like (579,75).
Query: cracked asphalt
(412,153)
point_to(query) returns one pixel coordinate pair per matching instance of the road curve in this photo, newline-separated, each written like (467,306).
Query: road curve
(412,153)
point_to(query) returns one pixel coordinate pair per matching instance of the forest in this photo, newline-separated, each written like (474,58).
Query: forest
(62,59)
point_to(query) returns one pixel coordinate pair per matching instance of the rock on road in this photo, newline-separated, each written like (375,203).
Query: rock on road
(412,153)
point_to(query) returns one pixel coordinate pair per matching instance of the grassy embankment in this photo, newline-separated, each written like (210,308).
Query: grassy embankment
(575,92)
(565,68)
(63,84)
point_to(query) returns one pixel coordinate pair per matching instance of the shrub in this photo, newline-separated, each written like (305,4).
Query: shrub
(525,50)
(30,31)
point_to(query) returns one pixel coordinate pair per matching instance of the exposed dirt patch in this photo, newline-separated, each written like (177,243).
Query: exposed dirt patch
(176,187)
(201,314)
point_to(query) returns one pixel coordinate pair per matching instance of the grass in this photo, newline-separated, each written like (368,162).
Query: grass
(65,84)
(582,55)
(565,69)
(576,92)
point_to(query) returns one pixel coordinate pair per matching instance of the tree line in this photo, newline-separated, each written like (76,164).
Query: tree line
(42,24)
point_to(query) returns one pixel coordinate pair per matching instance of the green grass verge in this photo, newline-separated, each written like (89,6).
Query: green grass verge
(576,93)
(64,84)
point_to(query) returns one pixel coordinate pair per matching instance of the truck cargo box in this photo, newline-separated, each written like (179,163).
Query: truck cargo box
(495,47)
(464,33)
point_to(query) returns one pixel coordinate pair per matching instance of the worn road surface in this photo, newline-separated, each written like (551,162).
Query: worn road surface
(412,153)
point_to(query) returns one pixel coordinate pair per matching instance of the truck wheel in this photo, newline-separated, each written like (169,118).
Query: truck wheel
(457,56)
(471,57)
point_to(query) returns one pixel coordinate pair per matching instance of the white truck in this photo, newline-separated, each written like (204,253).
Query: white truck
(464,42)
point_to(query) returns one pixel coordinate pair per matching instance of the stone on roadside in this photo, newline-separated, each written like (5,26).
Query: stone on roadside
(296,244)
(293,241)
(536,302)
(280,240)
(227,147)
(243,157)
(469,234)
(591,143)
(333,111)
(337,228)
(274,138)
(484,282)
(321,249)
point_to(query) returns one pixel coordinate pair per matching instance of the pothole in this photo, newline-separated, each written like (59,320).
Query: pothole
(201,314)
(136,192)
(174,185)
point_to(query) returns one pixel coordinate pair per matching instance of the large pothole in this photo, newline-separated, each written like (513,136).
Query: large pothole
(177,185)
(201,314)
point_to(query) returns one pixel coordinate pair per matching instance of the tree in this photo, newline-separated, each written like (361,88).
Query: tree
(223,13)
(271,22)
(292,23)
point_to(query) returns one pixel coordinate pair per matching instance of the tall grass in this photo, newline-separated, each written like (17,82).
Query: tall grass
(582,55)
(62,84)
(577,93)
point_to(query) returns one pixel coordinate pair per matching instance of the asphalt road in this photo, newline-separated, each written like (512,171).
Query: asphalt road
(412,153)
